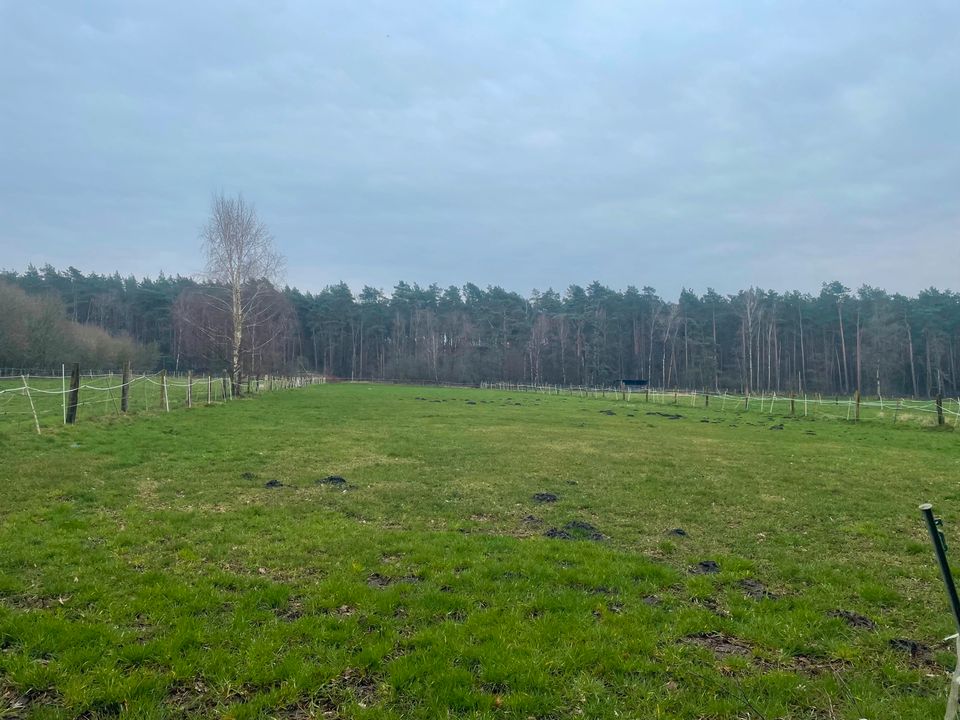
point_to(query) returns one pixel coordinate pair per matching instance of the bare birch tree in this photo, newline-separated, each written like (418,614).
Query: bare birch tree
(242,259)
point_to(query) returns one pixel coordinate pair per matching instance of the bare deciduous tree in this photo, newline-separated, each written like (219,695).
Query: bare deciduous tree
(242,259)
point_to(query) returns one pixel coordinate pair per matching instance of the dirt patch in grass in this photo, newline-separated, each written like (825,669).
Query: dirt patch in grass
(678,532)
(16,703)
(918,651)
(292,611)
(191,698)
(544,497)
(335,480)
(668,416)
(575,530)
(248,475)
(722,646)
(34,602)
(355,683)
(756,590)
(378,581)
(809,665)
(308,709)
(713,605)
(274,484)
(706,567)
(854,620)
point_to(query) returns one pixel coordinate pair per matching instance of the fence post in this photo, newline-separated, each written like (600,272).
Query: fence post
(74,394)
(939,409)
(706,400)
(189,388)
(209,389)
(125,388)
(793,404)
(856,396)
(26,390)
(63,387)
(164,399)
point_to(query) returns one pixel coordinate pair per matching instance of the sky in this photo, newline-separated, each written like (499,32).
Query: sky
(673,144)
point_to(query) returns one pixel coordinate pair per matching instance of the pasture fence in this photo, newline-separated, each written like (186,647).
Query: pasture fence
(935,411)
(46,400)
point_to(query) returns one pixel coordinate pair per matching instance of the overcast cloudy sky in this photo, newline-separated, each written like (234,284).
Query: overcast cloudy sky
(525,144)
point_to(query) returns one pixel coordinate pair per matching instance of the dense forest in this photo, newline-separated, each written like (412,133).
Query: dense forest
(834,342)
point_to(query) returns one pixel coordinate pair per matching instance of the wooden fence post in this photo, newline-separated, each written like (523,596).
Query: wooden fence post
(190,389)
(856,396)
(74,394)
(164,399)
(793,404)
(125,388)
(706,400)
(939,409)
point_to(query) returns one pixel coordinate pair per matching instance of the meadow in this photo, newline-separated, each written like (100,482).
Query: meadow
(368,551)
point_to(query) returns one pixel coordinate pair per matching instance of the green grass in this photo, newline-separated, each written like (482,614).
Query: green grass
(99,397)
(146,570)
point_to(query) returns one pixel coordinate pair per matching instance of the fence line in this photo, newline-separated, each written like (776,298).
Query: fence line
(32,398)
(793,404)
(38,397)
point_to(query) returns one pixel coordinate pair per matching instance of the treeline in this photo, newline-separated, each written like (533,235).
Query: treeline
(836,341)
(35,335)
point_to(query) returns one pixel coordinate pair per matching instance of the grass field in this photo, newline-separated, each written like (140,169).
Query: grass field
(147,570)
(43,401)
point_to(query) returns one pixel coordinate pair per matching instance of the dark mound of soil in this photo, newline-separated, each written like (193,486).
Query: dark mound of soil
(273,484)
(583,530)
(532,520)
(545,497)
(575,530)
(756,590)
(706,567)
(854,620)
(668,416)
(378,581)
(917,650)
(332,480)
(651,600)
(777,427)
(249,475)
(471,402)
(721,645)
(607,412)
(679,532)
